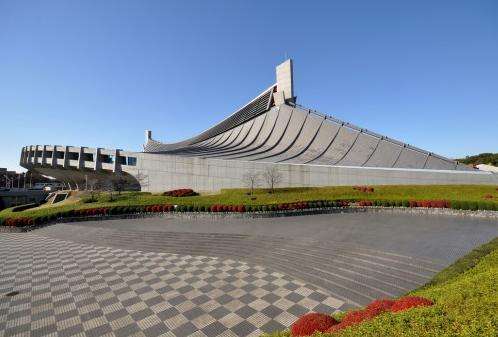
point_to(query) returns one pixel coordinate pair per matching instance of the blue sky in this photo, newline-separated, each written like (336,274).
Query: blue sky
(98,73)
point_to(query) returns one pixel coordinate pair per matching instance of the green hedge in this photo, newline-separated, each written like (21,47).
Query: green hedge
(116,210)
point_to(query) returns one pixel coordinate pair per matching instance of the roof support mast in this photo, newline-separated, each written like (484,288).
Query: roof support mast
(285,83)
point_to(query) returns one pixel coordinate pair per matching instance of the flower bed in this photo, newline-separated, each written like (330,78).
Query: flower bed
(312,323)
(219,208)
(183,192)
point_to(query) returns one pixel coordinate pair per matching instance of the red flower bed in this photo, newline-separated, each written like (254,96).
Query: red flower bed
(408,302)
(310,323)
(19,222)
(365,203)
(183,192)
(488,196)
(364,189)
(430,203)
(380,306)
(168,208)
(352,318)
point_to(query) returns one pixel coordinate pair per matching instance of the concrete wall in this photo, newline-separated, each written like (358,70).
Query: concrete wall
(167,172)
(160,172)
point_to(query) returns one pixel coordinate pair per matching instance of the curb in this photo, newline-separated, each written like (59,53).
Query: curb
(269,214)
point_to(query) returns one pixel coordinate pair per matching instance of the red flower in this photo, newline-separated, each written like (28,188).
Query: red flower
(310,323)
(379,306)
(408,302)
(183,192)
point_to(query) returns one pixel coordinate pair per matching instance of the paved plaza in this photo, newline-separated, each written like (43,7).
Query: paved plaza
(229,277)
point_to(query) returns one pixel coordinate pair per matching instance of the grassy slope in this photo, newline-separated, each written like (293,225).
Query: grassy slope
(239,196)
(466,303)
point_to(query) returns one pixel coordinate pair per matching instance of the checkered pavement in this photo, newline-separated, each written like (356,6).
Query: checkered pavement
(72,289)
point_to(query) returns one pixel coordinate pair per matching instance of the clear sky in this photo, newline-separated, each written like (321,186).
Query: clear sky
(98,73)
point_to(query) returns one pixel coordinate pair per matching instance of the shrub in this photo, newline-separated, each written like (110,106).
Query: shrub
(183,192)
(88,200)
(405,203)
(352,318)
(364,189)
(241,208)
(365,203)
(19,222)
(408,302)
(473,206)
(379,306)
(310,323)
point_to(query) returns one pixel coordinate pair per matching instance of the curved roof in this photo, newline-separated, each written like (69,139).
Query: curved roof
(272,128)
(293,134)
(252,109)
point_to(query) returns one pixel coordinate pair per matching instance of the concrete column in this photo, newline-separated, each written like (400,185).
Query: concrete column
(66,156)
(96,160)
(54,156)
(117,166)
(30,154)
(81,161)
(44,155)
(22,160)
(35,152)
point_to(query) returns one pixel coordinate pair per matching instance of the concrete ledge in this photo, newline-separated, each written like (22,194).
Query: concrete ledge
(269,214)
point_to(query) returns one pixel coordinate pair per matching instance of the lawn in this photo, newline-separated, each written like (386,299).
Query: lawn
(282,195)
(466,303)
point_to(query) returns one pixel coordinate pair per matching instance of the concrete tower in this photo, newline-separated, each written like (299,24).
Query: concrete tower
(285,82)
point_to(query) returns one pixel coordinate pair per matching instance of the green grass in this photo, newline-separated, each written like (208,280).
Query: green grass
(283,195)
(466,303)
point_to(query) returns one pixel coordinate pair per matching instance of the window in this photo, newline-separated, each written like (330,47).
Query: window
(107,158)
(88,156)
(73,155)
(48,154)
(59,155)
(122,160)
(132,161)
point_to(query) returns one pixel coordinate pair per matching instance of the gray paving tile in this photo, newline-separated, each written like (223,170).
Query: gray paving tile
(87,290)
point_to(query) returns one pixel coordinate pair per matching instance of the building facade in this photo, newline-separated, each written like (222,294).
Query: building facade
(272,131)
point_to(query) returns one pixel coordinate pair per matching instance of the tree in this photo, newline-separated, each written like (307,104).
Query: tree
(120,183)
(109,187)
(251,180)
(272,177)
(142,179)
(92,186)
